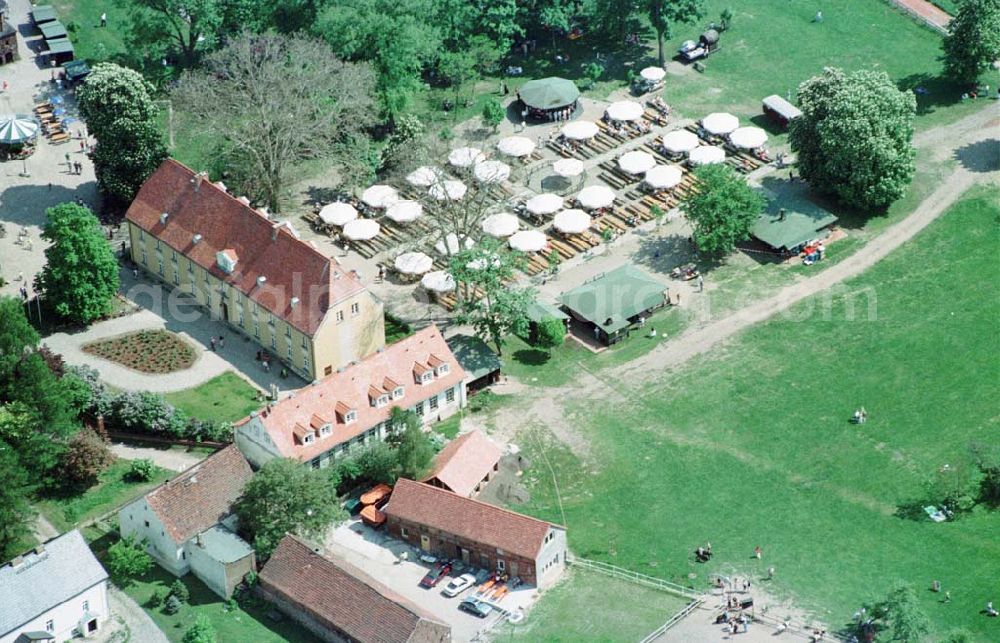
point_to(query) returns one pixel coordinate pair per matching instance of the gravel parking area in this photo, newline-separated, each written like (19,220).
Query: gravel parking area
(377,554)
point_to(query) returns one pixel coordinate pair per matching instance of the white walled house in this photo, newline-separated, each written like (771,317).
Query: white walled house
(351,407)
(188,523)
(53,593)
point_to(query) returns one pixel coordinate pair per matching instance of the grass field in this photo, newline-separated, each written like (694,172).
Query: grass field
(111,492)
(752,445)
(224,398)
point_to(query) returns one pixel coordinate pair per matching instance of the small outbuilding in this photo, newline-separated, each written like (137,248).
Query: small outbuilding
(609,304)
(786,230)
(465,465)
(480,363)
(8,38)
(780,110)
(544,97)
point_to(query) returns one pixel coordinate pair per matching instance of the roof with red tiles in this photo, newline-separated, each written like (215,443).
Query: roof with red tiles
(340,595)
(201,496)
(337,394)
(477,521)
(464,462)
(261,247)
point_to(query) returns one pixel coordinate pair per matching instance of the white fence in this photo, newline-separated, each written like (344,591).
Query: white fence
(635,577)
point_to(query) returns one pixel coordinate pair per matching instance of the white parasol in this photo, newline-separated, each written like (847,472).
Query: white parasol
(17,128)
(361,229)
(438,281)
(380,196)
(663,177)
(748,138)
(516,146)
(491,171)
(448,190)
(720,123)
(625,110)
(580,130)
(424,176)
(595,196)
(404,211)
(465,156)
(449,245)
(338,213)
(680,141)
(413,263)
(568,167)
(500,225)
(529,241)
(653,74)
(544,204)
(636,162)
(707,154)
(572,221)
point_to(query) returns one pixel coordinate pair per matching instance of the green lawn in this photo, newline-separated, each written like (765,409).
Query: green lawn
(111,492)
(83,20)
(590,607)
(752,445)
(224,398)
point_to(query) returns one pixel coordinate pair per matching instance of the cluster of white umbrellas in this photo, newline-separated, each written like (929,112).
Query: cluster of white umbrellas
(361,229)
(544,204)
(663,177)
(680,141)
(593,197)
(516,146)
(424,176)
(529,241)
(380,196)
(580,130)
(572,221)
(636,162)
(500,225)
(491,171)
(438,281)
(707,155)
(748,138)
(466,156)
(413,263)
(404,211)
(338,213)
(451,246)
(450,190)
(653,74)
(720,123)
(625,110)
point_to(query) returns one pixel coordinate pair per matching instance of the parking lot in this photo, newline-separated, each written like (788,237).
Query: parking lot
(379,555)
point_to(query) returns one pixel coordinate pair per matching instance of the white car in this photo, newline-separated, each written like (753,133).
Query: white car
(458,585)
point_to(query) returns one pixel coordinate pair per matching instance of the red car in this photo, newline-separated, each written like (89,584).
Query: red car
(435,575)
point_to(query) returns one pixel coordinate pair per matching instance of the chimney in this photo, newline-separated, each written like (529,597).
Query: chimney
(196,238)
(261,280)
(274,231)
(198,178)
(221,186)
(244,200)
(295,302)
(164,217)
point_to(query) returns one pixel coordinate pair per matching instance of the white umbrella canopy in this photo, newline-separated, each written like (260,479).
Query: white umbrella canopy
(380,196)
(636,162)
(404,211)
(572,221)
(568,168)
(707,154)
(424,176)
(516,146)
(580,130)
(450,246)
(438,281)
(484,262)
(500,225)
(720,123)
(680,141)
(491,172)
(748,138)
(16,128)
(448,190)
(338,213)
(653,74)
(465,156)
(595,196)
(413,263)
(663,177)
(361,229)
(529,241)
(544,204)
(625,110)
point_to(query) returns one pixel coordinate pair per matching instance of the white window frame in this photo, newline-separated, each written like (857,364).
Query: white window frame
(339,316)
(449,395)
(325,430)
(350,417)
(398,392)
(382,401)
(355,309)
(426,377)
(432,402)
(442,369)
(308,438)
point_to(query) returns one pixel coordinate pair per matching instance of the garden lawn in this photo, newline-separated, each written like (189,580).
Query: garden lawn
(247,623)
(224,398)
(751,445)
(83,20)
(112,491)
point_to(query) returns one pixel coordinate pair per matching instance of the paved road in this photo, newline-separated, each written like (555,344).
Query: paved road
(140,625)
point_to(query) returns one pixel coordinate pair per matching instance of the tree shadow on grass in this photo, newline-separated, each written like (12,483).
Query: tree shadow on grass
(531,357)
(932,91)
(981,157)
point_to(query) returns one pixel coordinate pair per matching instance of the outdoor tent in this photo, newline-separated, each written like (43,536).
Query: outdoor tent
(549,93)
(611,302)
(16,129)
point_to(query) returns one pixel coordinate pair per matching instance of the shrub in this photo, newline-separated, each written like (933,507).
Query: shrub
(85,458)
(142,410)
(127,559)
(140,470)
(202,630)
(550,334)
(172,605)
(156,600)
(180,590)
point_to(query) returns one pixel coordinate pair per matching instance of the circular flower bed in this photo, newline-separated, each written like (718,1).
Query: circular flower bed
(147,351)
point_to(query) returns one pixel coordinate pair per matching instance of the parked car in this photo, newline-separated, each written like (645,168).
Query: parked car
(475,607)
(458,585)
(435,575)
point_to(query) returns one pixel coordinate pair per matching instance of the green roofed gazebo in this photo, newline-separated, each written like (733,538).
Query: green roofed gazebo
(546,95)
(788,226)
(480,363)
(609,304)
(43,13)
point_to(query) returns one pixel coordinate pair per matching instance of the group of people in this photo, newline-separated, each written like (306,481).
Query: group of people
(703,554)
(813,253)
(860,416)
(660,105)
(625,129)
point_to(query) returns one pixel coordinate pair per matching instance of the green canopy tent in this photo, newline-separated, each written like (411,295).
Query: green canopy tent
(611,302)
(54,29)
(545,95)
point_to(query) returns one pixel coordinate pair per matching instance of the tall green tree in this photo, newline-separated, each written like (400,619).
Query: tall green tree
(854,138)
(899,614)
(414,450)
(200,632)
(663,14)
(493,114)
(16,513)
(287,496)
(118,106)
(127,559)
(187,27)
(16,335)
(80,277)
(550,333)
(615,17)
(723,210)
(973,40)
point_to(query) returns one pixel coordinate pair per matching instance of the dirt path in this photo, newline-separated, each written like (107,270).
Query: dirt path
(931,14)
(173,459)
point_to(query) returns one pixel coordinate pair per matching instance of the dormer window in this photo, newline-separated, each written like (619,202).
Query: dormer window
(325,430)
(350,416)
(397,393)
(427,377)
(308,438)
(442,369)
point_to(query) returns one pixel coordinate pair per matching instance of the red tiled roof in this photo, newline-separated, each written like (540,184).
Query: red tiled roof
(465,461)
(348,390)
(479,522)
(293,267)
(340,595)
(201,496)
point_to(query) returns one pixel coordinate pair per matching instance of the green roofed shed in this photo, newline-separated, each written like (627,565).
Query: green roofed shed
(59,46)
(612,301)
(43,13)
(76,70)
(54,29)
(549,93)
(800,223)
(539,310)
(477,359)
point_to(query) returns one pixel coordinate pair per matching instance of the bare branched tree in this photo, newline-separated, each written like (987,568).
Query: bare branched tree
(271,101)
